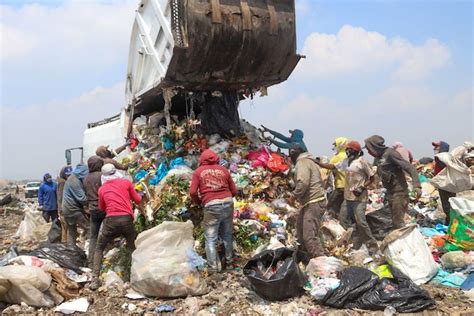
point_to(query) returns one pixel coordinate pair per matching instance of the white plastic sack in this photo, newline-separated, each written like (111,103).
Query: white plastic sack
(27,285)
(455,178)
(406,250)
(462,206)
(160,265)
(33,226)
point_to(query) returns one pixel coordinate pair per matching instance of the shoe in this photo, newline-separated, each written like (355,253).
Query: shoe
(95,284)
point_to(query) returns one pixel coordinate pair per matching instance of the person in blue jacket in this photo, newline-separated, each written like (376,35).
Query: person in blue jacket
(48,199)
(296,136)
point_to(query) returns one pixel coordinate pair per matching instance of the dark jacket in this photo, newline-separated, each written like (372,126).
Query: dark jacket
(47,198)
(74,195)
(443,148)
(92,184)
(390,166)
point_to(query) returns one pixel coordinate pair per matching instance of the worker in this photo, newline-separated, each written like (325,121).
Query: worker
(213,187)
(358,177)
(404,152)
(61,180)
(47,198)
(463,151)
(296,136)
(74,202)
(336,197)
(115,196)
(108,155)
(442,147)
(390,167)
(92,183)
(309,191)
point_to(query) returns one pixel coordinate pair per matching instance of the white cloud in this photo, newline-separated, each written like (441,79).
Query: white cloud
(353,50)
(34,137)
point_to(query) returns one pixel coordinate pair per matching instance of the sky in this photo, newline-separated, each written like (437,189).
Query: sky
(400,69)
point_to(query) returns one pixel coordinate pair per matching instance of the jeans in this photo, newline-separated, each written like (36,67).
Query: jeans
(218,222)
(398,204)
(363,234)
(112,227)
(307,230)
(97,216)
(50,215)
(74,220)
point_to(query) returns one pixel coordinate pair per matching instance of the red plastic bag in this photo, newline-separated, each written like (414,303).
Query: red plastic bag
(258,158)
(277,163)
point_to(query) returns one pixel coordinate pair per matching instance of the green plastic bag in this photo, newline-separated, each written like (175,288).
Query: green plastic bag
(460,232)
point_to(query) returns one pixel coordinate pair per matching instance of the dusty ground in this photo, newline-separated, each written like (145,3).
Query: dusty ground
(230,293)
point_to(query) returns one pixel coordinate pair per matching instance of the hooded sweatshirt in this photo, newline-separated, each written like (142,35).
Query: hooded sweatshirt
(63,175)
(339,179)
(74,195)
(296,137)
(92,184)
(211,181)
(390,166)
(443,148)
(47,196)
(309,185)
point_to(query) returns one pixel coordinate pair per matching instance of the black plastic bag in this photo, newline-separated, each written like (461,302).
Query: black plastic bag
(399,292)
(66,256)
(360,288)
(286,282)
(220,115)
(12,253)
(54,234)
(380,222)
(355,282)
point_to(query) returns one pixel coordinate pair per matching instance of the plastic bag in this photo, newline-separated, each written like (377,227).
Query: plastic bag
(160,263)
(461,228)
(276,163)
(455,177)
(67,257)
(448,279)
(113,280)
(286,279)
(455,260)
(27,285)
(259,158)
(32,225)
(54,234)
(335,229)
(380,222)
(321,287)
(401,246)
(12,253)
(360,288)
(324,267)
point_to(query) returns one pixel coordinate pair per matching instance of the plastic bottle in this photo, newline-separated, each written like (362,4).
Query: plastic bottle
(389,311)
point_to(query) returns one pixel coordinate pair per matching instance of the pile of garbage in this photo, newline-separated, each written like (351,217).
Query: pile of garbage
(162,162)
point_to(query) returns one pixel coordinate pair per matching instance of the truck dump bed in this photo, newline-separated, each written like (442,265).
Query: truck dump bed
(209,45)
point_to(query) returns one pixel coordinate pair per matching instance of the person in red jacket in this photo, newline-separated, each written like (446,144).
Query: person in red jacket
(115,197)
(213,187)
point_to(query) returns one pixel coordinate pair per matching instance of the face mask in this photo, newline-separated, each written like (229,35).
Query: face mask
(436,151)
(49,180)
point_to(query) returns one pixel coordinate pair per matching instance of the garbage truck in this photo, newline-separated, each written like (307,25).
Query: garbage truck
(201,57)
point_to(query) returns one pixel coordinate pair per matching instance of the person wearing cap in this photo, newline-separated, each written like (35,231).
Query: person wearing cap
(213,187)
(358,176)
(390,167)
(108,155)
(47,198)
(296,136)
(92,183)
(309,191)
(336,197)
(64,173)
(444,196)
(74,202)
(115,198)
